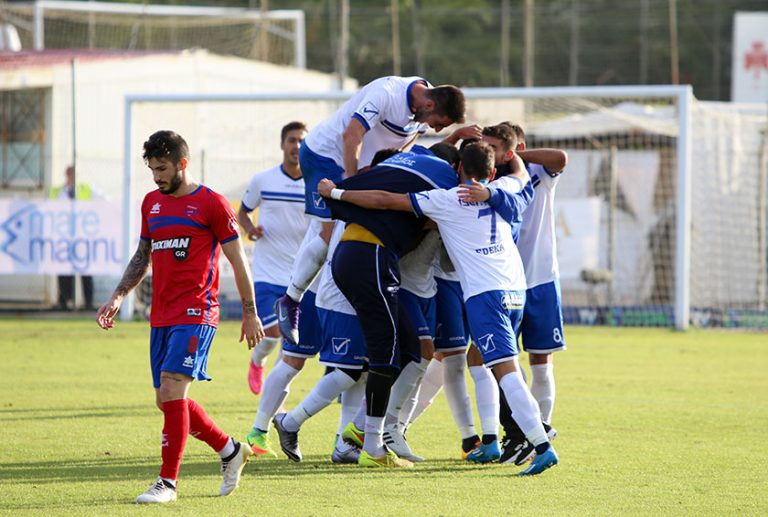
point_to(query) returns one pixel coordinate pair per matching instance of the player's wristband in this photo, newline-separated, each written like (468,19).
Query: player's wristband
(336,193)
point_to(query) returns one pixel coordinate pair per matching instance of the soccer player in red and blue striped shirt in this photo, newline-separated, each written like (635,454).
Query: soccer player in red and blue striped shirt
(184,228)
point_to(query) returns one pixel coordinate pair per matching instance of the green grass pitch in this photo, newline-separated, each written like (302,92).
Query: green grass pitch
(652,422)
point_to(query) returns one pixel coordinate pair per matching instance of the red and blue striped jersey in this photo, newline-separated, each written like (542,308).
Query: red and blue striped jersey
(186,234)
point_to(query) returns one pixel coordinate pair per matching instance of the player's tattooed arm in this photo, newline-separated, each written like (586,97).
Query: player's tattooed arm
(132,276)
(249,307)
(136,270)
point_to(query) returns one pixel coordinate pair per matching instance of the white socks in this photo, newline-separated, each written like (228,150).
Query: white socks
(456,392)
(487,396)
(327,389)
(543,389)
(374,435)
(360,416)
(228,449)
(263,349)
(524,408)
(308,261)
(276,387)
(431,385)
(352,401)
(408,380)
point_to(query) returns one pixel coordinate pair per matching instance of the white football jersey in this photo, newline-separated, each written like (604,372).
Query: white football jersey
(440,272)
(383,106)
(329,297)
(537,243)
(280,200)
(417,268)
(478,241)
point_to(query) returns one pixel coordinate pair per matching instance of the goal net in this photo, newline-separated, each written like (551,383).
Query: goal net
(660,213)
(274,36)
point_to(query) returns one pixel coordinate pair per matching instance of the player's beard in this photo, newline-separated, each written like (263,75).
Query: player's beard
(421,114)
(174,185)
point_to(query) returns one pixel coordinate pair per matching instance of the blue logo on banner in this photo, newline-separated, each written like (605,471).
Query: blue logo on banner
(34,237)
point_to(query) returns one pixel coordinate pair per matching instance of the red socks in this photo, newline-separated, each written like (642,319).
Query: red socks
(184,417)
(175,431)
(203,428)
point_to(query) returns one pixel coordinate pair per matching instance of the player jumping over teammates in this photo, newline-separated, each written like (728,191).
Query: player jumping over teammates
(389,112)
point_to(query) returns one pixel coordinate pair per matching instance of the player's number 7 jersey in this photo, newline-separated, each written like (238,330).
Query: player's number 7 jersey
(478,241)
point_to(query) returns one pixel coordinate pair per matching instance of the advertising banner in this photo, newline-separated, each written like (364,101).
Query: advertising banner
(60,237)
(750,57)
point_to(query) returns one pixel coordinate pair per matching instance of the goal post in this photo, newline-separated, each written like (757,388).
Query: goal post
(223,30)
(683,96)
(660,213)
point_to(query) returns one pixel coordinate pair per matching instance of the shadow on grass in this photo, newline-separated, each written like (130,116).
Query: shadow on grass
(61,413)
(144,409)
(146,468)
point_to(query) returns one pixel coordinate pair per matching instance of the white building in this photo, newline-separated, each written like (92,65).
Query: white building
(68,106)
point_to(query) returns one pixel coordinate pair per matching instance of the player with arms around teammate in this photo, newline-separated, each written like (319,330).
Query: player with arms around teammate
(490,270)
(279,194)
(184,227)
(387,112)
(541,330)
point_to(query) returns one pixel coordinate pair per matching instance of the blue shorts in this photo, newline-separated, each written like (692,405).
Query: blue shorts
(542,327)
(314,168)
(310,336)
(452,331)
(180,349)
(343,341)
(494,317)
(421,312)
(266,296)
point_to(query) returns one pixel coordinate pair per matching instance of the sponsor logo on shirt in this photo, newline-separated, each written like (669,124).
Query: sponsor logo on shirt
(318,201)
(512,300)
(486,343)
(369,111)
(490,250)
(155,209)
(233,225)
(194,312)
(340,345)
(402,159)
(188,362)
(179,246)
(191,210)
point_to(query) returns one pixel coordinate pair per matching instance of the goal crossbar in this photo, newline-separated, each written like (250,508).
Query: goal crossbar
(683,95)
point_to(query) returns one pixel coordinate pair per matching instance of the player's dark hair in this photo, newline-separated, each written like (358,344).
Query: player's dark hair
(517,129)
(165,144)
(449,102)
(466,142)
(291,126)
(477,160)
(446,152)
(383,154)
(504,133)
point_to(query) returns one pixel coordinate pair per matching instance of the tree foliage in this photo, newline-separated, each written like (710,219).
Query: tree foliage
(581,42)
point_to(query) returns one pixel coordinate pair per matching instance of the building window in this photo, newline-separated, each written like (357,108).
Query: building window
(22,137)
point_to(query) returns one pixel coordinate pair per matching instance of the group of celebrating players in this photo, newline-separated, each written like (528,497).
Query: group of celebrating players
(387,259)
